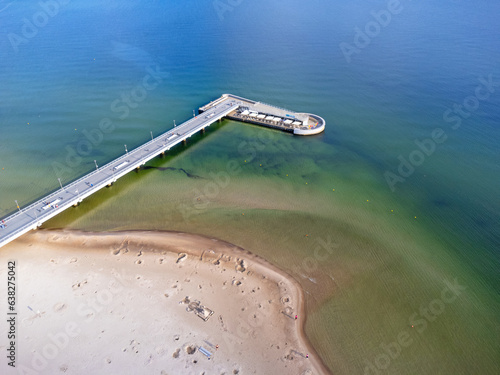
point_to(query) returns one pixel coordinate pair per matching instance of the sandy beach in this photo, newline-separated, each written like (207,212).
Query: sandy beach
(155,303)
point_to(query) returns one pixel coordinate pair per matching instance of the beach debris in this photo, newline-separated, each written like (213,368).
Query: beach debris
(210,344)
(182,257)
(199,310)
(205,352)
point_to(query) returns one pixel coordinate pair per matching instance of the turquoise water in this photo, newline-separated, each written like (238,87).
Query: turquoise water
(62,82)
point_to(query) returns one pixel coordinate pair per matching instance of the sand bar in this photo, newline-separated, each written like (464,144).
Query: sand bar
(153,302)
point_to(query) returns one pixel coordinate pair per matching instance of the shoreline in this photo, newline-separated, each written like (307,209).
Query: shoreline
(202,253)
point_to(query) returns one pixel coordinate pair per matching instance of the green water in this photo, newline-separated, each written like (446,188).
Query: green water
(384,264)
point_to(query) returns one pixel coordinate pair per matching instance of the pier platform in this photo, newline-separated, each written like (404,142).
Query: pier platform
(230,106)
(270,116)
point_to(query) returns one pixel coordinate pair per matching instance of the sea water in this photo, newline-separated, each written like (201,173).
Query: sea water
(375,217)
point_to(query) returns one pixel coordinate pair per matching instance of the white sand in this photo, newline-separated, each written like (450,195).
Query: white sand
(111,304)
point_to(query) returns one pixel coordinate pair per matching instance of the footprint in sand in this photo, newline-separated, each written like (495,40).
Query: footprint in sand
(216,262)
(160,350)
(59,307)
(240,266)
(73,260)
(161,260)
(176,353)
(138,261)
(27,322)
(148,360)
(116,252)
(285,299)
(190,349)
(79,285)
(290,356)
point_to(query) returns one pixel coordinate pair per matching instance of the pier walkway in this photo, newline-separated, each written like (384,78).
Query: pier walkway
(33,216)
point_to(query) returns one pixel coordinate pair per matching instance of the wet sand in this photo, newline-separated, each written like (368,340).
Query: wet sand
(153,302)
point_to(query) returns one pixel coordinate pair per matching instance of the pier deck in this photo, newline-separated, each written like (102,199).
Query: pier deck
(33,216)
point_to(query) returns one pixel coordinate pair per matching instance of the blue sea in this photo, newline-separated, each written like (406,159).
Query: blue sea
(404,179)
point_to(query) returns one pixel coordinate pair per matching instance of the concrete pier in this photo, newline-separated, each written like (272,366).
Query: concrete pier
(230,106)
(270,116)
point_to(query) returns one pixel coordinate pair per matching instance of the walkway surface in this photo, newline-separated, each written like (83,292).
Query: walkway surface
(37,213)
(234,107)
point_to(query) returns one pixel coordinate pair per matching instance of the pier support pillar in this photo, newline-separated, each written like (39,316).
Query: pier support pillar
(184,141)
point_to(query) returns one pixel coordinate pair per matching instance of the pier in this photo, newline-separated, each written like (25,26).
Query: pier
(227,106)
